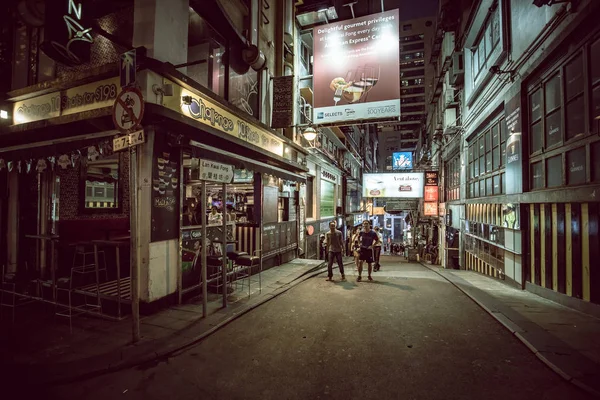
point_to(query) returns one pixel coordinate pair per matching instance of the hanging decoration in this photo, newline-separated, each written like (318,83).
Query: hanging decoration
(52,161)
(2,164)
(74,158)
(41,165)
(93,154)
(64,161)
(28,164)
(10,166)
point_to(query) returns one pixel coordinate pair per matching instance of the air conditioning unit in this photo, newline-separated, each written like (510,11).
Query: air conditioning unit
(457,71)
(450,117)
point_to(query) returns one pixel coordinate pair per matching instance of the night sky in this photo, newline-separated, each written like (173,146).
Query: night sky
(412,9)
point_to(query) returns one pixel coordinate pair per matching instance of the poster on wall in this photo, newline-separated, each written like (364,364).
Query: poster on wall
(514,164)
(395,185)
(165,190)
(356,69)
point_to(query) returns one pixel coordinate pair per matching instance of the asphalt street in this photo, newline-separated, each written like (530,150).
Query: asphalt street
(409,334)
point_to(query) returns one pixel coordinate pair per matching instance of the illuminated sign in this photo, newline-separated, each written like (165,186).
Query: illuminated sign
(395,185)
(430,209)
(431,193)
(210,113)
(81,98)
(356,72)
(68,36)
(431,178)
(402,160)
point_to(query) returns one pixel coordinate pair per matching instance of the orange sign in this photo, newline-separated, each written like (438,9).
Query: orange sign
(430,209)
(431,193)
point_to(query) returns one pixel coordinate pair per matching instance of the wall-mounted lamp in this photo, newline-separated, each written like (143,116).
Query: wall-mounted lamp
(165,90)
(187,100)
(255,58)
(3,114)
(495,69)
(309,133)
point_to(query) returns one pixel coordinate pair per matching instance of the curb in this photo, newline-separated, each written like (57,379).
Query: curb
(515,330)
(172,350)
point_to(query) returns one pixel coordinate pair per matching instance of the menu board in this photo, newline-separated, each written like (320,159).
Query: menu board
(165,190)
(270,207)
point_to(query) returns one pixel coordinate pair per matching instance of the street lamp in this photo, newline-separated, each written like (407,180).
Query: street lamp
(310,134)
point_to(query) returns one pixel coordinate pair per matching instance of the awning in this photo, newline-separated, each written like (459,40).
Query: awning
(244,162)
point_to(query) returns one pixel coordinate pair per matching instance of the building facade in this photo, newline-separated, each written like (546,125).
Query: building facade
(204,141)
(526,163)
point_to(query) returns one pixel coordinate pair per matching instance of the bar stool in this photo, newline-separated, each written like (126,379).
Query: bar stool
(248,262)
(215,263)
(239,271)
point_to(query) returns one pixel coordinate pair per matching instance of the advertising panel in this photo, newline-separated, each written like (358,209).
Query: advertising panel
(396,185)
(402,160)
(356,69)
(514,163)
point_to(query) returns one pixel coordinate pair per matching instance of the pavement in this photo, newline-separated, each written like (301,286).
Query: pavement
(409,334)
(566,340)
(563,339)
(41,347)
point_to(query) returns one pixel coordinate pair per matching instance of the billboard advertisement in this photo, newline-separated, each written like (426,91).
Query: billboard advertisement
(402,160)
(356,72)
(396,185)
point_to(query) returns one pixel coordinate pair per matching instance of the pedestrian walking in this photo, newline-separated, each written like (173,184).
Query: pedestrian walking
(368,238)
(334,243)
(355,246)
(377,249)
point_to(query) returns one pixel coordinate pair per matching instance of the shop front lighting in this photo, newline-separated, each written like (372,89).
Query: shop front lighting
(310,134)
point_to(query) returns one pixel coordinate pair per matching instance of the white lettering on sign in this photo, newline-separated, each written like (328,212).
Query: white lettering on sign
(216,172)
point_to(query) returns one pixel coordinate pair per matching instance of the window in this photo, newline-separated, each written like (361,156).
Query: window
(412,46)
(452,179)
(412,100)
(412,38)
(327,200)
(487,42)
(486,161)
(559,117)
(310,186)
(408,74)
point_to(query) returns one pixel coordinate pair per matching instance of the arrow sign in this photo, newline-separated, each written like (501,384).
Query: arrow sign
(127,66)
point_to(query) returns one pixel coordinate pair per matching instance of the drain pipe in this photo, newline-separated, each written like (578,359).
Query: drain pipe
(382,9)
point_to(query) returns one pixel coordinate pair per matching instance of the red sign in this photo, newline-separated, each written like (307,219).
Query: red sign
(430,209)
(431,193)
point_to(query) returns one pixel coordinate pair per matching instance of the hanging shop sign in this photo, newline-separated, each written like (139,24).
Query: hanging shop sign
(430,209)
(431,178)
(71,101)
(396,185)
(67,32)
(356,69)
(401,205)
(208,112)
(431,193)
(215,172)
(283,102)
(128,109)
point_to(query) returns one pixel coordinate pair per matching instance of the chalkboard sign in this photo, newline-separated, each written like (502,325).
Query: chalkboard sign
(165,190)
(283,102)
(270,206)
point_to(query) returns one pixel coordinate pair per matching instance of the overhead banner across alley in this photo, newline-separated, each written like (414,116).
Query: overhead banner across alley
(356,72)
(396,185)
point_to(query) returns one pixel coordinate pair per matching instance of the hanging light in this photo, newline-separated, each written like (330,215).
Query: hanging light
(310,133)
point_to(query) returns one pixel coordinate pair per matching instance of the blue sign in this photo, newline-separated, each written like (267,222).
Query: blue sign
(127,68)
(402,160)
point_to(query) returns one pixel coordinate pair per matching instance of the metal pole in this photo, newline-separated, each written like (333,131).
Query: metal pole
(203,244)
(224,245)
(118,256)
(179,258)
(135,270)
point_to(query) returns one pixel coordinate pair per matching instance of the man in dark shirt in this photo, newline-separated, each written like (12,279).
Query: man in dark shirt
(368,238)
(334,244)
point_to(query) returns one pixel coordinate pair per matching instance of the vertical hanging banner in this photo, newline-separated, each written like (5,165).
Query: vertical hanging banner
(283,102)
(356,74)
(514,163)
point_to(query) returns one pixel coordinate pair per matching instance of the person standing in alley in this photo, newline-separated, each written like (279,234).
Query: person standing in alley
(368,238)
(334,244)
(377,249)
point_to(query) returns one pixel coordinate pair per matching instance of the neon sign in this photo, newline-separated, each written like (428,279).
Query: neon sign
(68,39)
